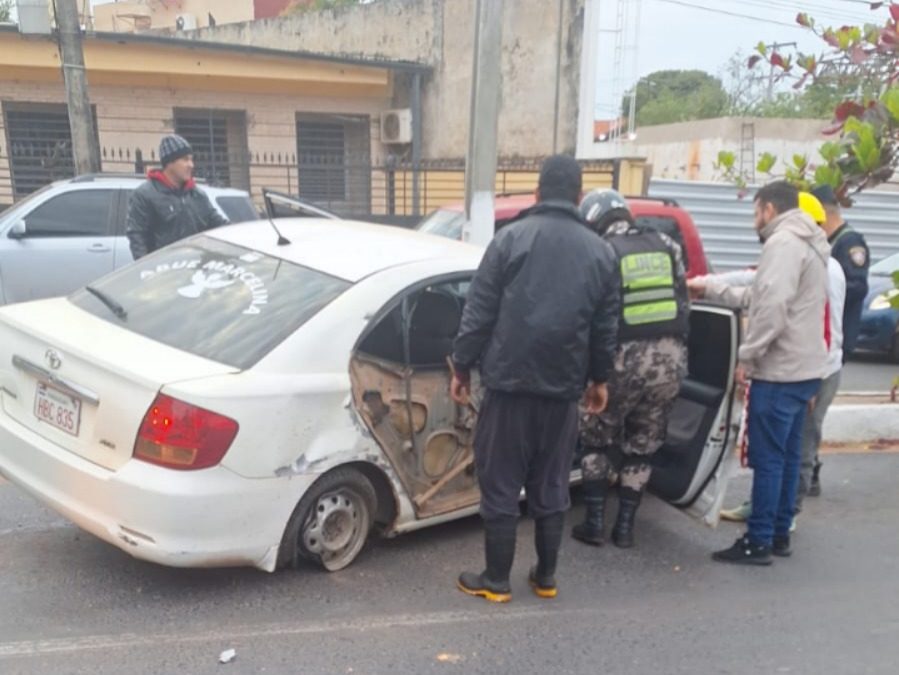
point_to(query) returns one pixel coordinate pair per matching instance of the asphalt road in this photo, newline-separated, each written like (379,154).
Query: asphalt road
(868,372)
(72,604)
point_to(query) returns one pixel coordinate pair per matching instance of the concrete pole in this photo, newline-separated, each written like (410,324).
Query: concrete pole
(85,145)
(586,147)
(480,163)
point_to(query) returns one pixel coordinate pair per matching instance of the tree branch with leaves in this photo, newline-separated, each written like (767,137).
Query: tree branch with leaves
(6,11)
(864,152)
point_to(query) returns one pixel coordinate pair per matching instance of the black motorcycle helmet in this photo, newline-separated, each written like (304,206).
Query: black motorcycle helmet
(601,208)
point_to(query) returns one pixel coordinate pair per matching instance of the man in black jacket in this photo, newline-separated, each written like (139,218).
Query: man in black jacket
(168,206)
(541,320)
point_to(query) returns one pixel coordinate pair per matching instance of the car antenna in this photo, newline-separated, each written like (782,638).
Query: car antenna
(282,240)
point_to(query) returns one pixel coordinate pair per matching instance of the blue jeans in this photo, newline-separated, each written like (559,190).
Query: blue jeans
(776,415)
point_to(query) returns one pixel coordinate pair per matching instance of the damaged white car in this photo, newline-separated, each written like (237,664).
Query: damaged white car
(231,401)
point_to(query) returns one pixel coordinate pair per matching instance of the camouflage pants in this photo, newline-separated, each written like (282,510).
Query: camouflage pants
(642,390)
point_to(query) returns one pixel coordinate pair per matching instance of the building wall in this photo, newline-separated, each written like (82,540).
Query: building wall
(689,150)
(114,17)
(441,34)
(124,127)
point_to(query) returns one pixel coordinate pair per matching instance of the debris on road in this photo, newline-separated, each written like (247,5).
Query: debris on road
(227,656)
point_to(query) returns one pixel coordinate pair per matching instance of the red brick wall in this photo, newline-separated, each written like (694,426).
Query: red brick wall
(264,9)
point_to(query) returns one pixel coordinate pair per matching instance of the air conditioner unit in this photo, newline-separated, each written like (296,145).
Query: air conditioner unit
(186,22)
(396,126)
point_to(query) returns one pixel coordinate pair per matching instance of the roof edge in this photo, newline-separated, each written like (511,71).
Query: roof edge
(203,45)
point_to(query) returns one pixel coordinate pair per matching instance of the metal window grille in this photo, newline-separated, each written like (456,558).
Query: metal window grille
(219,140)
(322,154)
(40,145)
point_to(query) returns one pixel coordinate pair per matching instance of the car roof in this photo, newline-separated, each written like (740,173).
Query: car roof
(133,180)
(509,206)
(348,249)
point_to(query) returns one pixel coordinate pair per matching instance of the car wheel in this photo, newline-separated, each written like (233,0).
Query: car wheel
(332,521)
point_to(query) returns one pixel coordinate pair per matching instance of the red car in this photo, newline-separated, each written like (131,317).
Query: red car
(662,214)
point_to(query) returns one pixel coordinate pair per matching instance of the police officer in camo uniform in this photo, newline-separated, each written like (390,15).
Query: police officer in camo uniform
(650,364)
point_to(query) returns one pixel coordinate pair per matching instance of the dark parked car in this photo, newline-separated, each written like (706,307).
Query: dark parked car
(880,321)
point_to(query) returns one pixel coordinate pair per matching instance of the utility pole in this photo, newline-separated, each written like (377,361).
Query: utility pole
(85,145)
(774,46)
(480,162)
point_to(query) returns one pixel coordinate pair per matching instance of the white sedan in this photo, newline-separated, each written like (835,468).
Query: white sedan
(231,401)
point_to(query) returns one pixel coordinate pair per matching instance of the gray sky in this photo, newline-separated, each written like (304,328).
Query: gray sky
(704,34)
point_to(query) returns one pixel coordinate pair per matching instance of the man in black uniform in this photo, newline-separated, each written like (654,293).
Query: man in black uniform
(168,207)
(541,320)
(847,247)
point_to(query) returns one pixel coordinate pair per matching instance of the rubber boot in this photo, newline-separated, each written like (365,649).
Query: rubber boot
(547,541)
(499,550)
(592,530)
(814,488)
(623,532)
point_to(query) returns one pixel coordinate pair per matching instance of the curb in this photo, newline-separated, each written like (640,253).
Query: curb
(861,423)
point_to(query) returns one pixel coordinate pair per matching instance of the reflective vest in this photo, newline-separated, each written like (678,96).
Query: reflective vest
(653,295)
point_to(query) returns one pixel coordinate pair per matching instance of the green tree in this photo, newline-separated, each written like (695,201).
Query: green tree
(5,11)
(676,96)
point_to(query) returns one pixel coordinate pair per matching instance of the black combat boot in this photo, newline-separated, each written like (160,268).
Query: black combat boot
(499,549)
(814,488)
(592,530)
(623,532)
(547,540)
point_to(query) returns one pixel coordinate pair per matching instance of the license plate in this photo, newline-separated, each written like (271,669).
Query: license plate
(57,408)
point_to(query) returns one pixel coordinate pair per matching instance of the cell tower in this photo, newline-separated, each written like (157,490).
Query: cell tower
(619,73)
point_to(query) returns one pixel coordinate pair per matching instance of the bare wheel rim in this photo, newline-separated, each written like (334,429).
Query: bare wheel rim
(337,527)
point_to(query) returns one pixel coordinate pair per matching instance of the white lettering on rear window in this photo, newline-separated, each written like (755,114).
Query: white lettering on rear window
(215,275)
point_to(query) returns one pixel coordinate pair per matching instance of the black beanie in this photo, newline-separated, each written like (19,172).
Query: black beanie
(173,147)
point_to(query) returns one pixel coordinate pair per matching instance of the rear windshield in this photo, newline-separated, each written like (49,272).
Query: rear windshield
(443,223)
(669,226)
(238,209)
(213,299)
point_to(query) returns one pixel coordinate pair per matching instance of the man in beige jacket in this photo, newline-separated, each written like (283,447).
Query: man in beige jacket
(784,353)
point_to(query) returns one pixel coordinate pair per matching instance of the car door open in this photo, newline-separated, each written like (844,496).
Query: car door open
(692,468)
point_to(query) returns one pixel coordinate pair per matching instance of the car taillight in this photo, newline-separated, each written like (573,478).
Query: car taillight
(179,435)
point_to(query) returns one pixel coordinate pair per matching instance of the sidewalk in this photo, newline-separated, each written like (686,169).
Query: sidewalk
(862,418)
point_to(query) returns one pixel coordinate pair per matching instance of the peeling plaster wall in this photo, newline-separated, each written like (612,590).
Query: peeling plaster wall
(440,33)
(689,150)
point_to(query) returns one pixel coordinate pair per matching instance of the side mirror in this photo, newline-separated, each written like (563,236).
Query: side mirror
(17,231)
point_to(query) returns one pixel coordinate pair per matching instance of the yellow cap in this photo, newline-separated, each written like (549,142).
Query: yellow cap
(810,204)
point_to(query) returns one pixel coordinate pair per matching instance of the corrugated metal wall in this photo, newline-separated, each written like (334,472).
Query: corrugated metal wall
(725,222)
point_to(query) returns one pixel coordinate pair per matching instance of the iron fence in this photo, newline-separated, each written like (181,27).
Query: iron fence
(349,185)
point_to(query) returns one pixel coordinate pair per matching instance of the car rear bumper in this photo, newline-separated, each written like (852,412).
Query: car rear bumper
(207,518)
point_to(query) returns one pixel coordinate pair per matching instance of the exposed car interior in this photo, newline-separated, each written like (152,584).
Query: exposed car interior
(401,379)
(711,349)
